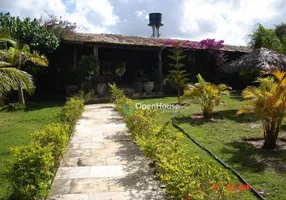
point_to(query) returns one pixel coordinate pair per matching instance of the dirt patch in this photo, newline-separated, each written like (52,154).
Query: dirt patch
(257,143)
(214,116)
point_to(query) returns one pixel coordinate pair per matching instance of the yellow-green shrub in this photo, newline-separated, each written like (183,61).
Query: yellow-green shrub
(206,95)
(185,176)
(33,166)
(73,109)
(32,171)
(56,135)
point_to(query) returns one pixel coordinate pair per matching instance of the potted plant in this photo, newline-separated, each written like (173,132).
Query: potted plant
(148,85)
(100,84)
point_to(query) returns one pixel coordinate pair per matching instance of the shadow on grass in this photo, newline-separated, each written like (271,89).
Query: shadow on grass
(231,115)
(248,158)
(191,121)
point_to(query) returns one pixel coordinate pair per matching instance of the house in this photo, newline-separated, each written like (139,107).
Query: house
(122,57)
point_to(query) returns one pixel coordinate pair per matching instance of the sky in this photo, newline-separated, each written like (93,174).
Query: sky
(228,20)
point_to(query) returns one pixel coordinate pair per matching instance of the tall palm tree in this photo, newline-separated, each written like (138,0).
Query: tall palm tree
(16,56)
(10,77)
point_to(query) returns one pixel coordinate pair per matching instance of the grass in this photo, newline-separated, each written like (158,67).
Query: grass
(264,169)
(14,131)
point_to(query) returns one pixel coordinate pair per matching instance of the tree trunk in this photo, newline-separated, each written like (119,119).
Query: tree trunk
(179,96)
(21,95)
(270,137)
(20,88)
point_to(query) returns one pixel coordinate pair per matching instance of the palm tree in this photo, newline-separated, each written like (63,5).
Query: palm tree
(268,102)
(16,56)
(10,77)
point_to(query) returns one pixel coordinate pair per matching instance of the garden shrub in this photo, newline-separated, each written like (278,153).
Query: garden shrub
(56,135)
(32,172)
(33,166)
(73,109)
(206,95)
(186,176)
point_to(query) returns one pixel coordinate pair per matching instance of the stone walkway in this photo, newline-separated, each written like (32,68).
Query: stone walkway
(102,162)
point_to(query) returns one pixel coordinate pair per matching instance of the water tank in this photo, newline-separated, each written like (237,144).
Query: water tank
(155,19)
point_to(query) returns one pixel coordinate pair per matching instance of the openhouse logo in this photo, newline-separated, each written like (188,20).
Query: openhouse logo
(129,108)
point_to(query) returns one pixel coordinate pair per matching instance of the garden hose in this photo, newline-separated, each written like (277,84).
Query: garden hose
(259,196)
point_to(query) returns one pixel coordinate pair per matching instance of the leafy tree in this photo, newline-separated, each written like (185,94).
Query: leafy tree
(18,55)
(267,101)
(206,94)
(177,77)
(59,27)
(10,78)
(29,32)
(262,37)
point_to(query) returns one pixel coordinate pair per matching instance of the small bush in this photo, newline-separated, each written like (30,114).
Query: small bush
(56,135)
(186,176)
(16,107)
(206,95)
(32,172)
(73,109)
(115,91)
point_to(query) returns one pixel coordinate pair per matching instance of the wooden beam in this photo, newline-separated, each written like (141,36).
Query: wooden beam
(74,58)
(95,53)
(160,65)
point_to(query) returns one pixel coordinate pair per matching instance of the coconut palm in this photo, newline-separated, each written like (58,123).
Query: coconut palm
(10,77)
(18,55)
(268,101)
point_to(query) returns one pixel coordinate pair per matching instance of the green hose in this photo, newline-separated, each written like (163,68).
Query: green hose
(259,196)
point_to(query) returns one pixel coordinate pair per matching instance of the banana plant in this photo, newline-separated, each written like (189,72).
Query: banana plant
(268,102)
(206,95)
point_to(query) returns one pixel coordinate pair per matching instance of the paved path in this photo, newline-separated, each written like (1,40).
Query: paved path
(102,162)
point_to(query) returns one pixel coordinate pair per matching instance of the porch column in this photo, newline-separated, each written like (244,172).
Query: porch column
(95,53)
(160,67)
(74,58)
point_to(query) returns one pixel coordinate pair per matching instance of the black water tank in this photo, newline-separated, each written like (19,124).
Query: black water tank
(155,19)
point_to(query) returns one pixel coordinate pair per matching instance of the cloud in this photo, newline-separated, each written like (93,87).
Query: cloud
(230,20)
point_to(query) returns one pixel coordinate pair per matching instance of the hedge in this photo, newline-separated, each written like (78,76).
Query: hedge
(33,166)
(185,176)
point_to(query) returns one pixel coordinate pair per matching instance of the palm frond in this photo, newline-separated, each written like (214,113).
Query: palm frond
(4,64)
(10,78)
(38,59)
(5,37)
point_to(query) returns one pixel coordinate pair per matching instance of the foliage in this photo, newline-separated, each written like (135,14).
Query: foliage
(207,95)
(211,45)
(115,91)
(267,101)
(185,177)
(267,38)
(86,70)
(10,78)
(177,77)
(73,109)
(58,26)
(33,166)
(31,172)
(16,107)
(17,56)
(55,134)
(30,32)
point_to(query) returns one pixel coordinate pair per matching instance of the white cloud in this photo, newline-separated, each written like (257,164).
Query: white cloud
(232,20)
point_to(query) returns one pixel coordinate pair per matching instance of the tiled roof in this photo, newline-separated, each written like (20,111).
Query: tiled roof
(133,41)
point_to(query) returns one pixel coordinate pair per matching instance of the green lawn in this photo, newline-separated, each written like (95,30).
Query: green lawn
(14,131)
(263,169)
